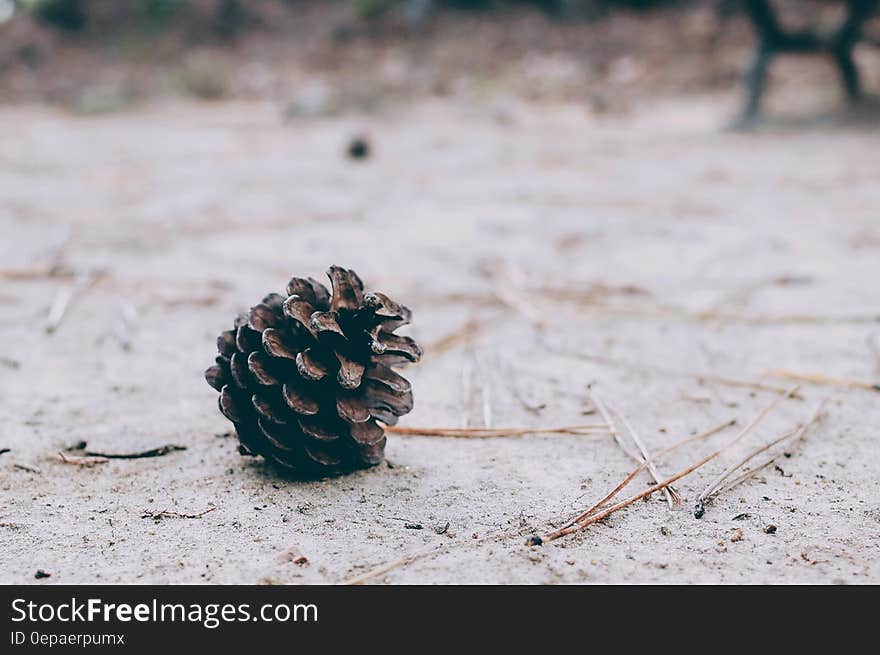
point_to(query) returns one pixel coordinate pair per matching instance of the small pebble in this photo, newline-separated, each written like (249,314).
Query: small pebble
(770,529)
(359,148)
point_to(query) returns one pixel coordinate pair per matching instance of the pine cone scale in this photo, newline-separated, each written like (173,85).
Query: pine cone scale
(309,366)
(277,345)
(299,401)
(226,343)
(351,372)
(347,289)
(367,433)
(260,367)
(388,378)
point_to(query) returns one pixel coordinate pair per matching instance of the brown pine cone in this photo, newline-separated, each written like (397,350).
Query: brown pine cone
(307,379)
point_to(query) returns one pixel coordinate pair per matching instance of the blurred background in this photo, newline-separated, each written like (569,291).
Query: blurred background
(324,57)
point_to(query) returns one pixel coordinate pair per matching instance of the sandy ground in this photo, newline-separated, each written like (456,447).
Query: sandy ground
(195,211)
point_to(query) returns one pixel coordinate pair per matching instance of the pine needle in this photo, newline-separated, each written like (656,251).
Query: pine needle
(86,462)
(743,433)
(819,378)
(396,564)
(588,517)
(672,496)
(795,435)
(488,433)
(595,518)
(641,467)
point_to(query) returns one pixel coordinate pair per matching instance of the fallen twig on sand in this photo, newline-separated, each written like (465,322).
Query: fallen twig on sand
(819,378)
(641,467)
(436,550)
(25,467)
(672,496)
(588,518)
(699,508)
(87,461)
(167,514)
(154,452)
(794,436)
(595,518)
(396,564)
(427,552)
(35,273)
(488,433)
(717,483)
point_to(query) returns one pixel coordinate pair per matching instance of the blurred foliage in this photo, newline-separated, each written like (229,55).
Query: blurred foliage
(229,16)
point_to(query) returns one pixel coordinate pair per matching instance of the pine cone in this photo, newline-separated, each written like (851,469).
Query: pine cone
(307,380)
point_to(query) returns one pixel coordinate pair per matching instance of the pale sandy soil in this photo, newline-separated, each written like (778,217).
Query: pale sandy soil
(195,211)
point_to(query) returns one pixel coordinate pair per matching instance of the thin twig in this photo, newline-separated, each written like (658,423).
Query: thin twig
(153,452)
(641,467)
(487,433)
(595,518)
(3,451)
(87,461)
(795,435)
(419,555)
(612,428)
(672,497)
(385,568)
(819,378)
(745,475)
(25,467)
(167,514)
(35,273)
(588,519)
(742,462)
(698,512)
